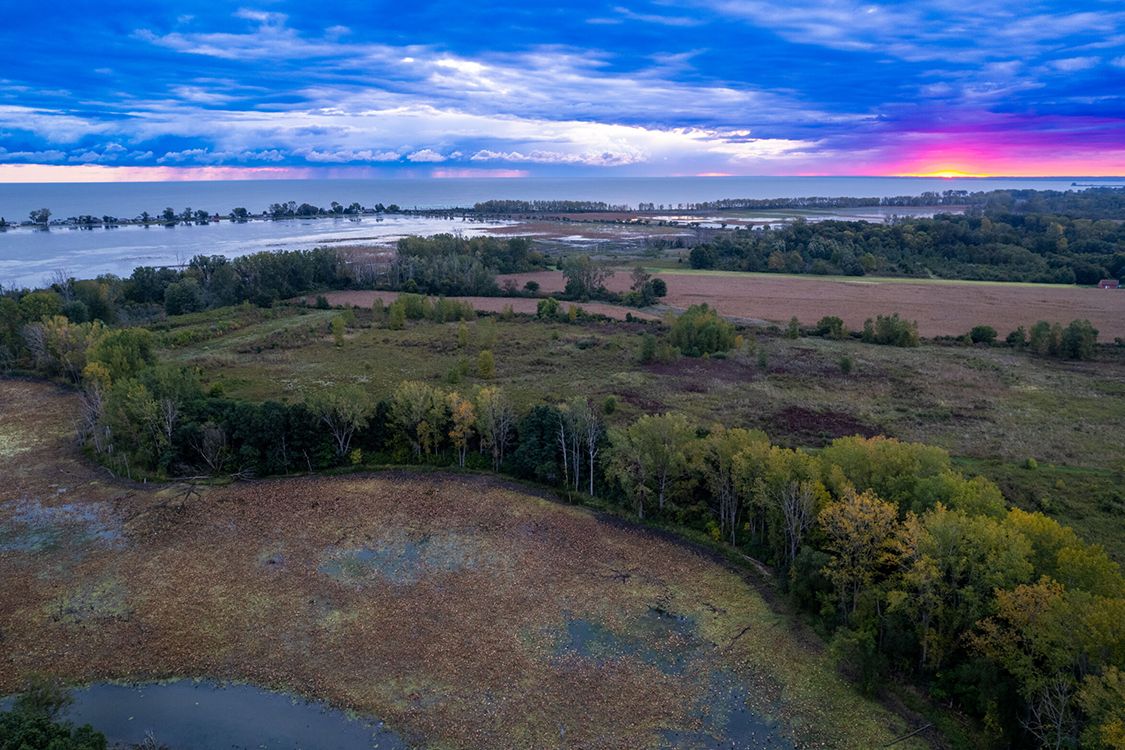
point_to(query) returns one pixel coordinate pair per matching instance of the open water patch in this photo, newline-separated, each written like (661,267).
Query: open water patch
(191,715)
(721,713)
(403,559)
(31,526)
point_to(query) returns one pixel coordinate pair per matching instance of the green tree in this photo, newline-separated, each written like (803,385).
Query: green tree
(486,364)
(418,412)
(701,331)
(1079,339)
(649,458)
(343,409)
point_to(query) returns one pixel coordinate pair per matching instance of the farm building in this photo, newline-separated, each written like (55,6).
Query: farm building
(1109,284)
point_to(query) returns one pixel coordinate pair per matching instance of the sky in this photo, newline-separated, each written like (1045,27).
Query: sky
(148,90)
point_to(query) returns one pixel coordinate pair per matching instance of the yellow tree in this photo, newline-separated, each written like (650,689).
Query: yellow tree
(860,533)
(463,416)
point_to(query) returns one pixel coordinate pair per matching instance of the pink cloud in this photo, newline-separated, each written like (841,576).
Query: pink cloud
(101,173)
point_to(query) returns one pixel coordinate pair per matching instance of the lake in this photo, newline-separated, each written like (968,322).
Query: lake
(28,257)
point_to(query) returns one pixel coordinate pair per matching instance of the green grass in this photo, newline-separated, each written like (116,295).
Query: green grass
(992,407)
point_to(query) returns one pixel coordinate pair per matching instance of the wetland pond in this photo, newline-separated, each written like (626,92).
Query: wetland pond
(191,715)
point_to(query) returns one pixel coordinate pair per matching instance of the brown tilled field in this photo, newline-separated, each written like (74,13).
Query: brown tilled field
(464,611)
(941,308)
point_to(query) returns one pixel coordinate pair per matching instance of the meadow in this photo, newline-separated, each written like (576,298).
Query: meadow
(1048,431)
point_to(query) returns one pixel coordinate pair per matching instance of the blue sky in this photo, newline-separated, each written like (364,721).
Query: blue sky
(153,90)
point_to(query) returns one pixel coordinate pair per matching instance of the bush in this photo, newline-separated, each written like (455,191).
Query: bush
(486,364)
(846,365)
(1079,340)
(982,334)
(648,348)
(831,327)
(1017,338)
(531,287)
(701,331)
(548,309)
(890,330)
(794,329)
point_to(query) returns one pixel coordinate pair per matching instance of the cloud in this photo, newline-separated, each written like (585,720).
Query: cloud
(702,86)
(425,155)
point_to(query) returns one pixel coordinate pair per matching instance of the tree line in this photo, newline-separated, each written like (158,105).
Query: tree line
(1029,247)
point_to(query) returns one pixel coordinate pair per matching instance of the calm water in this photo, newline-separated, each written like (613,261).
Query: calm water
(129,199)
(28,257)
(187,715)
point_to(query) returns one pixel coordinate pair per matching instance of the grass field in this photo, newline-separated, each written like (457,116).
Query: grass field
(465,612)
(942,308)
(993,407)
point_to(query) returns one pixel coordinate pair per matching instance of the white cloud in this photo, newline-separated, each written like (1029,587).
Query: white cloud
(425,155)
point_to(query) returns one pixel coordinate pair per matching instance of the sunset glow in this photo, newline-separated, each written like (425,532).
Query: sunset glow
(202,92)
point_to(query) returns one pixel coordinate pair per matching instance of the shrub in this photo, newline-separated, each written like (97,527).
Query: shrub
(831,327)
(890,330)
(1017,338)
(547,308)
(794,329)
(1079,340)
(531,287)
(486,364)
(648,348)
(846,365)
(701,331)
(982,334)
(1045,339)
(322,302)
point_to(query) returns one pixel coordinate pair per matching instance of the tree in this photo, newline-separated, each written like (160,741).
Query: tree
(39,305)
(860,531)
(585,277)
(486,364)
(31,723)
(650,458)
(495,421)
(701,331)
(41,216)
(182,297)
(343,409)
(122,352)
(418,410)
(715,457)
(463,418)
(1079,339)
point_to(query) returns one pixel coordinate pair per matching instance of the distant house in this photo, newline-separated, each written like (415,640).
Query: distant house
(1109,284)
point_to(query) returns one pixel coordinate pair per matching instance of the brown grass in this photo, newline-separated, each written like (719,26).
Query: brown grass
(229,583)
(941,308)
(523,305)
